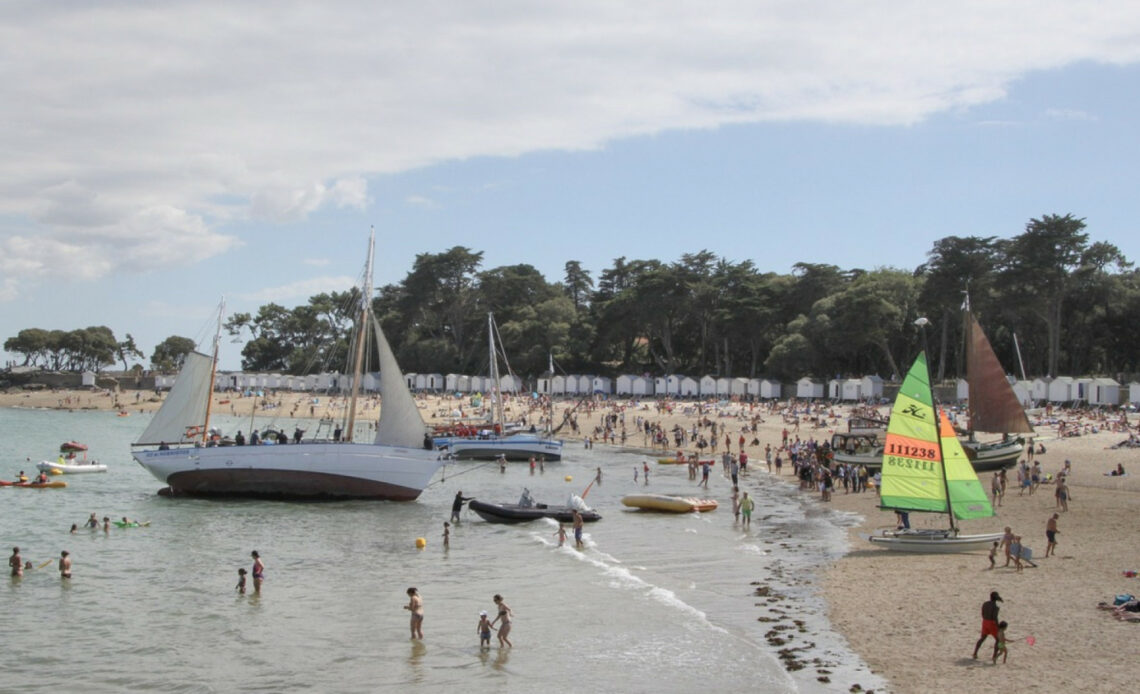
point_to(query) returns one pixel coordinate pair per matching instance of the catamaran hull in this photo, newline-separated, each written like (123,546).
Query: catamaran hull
(304,471)
(984,458)
(490,449)
(934,543)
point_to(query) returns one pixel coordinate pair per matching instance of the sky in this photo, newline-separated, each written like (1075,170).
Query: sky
(155,157)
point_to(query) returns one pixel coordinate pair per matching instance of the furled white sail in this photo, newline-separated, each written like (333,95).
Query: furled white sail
(185,406)
(400,420)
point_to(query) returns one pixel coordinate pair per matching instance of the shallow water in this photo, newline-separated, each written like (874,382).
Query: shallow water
(657,602)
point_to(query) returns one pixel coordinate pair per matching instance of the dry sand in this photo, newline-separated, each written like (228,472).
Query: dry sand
(915,618)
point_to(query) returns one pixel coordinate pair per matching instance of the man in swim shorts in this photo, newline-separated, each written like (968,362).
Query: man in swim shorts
(989,623)
(1051,535)
(577,529)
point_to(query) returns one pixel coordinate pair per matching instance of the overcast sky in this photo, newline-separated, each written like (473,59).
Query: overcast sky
(156,156)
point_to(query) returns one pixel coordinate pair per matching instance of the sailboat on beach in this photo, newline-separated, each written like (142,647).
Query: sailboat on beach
(925,470)
(496,441)
(178,449)
(993,406)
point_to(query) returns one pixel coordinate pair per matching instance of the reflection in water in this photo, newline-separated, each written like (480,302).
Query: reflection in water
(501,657)
(415,661)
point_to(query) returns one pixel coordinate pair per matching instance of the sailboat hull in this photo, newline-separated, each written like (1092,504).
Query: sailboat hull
(934,542)
(983,457)
(521,447)
(302,471)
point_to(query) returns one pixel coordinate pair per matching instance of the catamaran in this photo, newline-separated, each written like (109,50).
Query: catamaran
(925,470)
(495,441)
(177,448)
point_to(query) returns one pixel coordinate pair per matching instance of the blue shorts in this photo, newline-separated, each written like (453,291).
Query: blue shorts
(578,534)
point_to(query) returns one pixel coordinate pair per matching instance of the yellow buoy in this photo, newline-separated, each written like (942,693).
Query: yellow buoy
(420,543)
(569,478)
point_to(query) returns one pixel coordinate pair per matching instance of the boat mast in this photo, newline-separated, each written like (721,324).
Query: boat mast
(922,323)
(362,326)
(213,370)
(496,386)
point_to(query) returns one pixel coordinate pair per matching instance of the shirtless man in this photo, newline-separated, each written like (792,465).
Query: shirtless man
(1051,535)
(16,563)
(64,564)
(989,623)
(416,607)
(577,529)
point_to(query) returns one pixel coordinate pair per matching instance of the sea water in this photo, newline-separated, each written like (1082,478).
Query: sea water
(655,602)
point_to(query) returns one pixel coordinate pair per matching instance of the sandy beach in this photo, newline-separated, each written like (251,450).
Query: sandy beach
(913,618)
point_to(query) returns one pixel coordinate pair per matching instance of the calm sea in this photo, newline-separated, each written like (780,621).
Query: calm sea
(656,603)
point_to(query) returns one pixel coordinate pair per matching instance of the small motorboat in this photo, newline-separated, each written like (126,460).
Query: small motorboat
(667,503)
(69,463)
(527,509)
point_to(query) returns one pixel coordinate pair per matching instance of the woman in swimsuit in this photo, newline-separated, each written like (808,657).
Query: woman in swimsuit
(416,606)
(258,572)
(504,620)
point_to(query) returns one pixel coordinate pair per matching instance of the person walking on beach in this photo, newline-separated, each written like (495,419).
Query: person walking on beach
(1006,541)
(258,572)
(1062,494)
(746,506)
(989,623)
(1051,535)
(65,564)
(504,619)
(577,529)
(416,607)
(457,505)
(999,647)
(16,563)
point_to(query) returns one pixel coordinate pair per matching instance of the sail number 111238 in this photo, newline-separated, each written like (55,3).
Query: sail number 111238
(912,451)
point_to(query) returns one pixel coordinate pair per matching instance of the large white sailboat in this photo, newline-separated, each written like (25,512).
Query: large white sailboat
(495,442)
(176,449)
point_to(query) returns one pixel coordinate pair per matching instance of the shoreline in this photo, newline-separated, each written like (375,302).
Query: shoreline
(912,619)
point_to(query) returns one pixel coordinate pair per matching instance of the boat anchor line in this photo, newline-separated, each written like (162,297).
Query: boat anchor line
(443,474)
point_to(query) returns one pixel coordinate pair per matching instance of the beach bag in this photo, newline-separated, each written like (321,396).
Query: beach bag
(1121,599)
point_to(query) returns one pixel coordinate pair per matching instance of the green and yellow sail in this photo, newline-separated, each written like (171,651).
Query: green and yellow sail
(924,466)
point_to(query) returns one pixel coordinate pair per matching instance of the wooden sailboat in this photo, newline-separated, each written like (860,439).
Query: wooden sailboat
(993,406)
(925,470)
(177,450)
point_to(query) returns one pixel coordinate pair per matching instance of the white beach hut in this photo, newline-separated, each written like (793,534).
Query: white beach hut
(1024,392)
(624,385)
(809,388)
(434,382)
(1040,390)
(572,385)
(770,388)
(660,385)
(673,385)
(1061,389)
(1104,391)
(87,379)
(962,389)
(603,385)
(706,386)
(510,384)
(835,389)
(542,385)
(870,387)
(1082,388)
(642,385)
(738,386)
(585,385)
(451,382)
(410,381)
(370,383)
(723,387)
(558,385)
(1134,393)
(463,384)
(852,389)
(753,388)
(689,387)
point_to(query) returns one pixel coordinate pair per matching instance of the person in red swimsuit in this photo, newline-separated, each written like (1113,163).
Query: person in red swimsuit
(989,623)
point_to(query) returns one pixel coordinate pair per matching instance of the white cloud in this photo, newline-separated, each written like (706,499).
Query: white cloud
(302,289)
(131,135)
(420,201)
(316,262)
(1069,114)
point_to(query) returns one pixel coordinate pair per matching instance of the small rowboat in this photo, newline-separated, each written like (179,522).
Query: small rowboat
(34,485)
(668,504)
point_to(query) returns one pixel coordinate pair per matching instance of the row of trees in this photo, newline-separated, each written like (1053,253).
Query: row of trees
(91,349)
(1073,306)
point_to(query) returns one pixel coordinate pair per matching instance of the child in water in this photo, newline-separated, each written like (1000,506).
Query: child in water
(561,535)
(446,534)
(484,630)
(1000,649)
(240,587)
